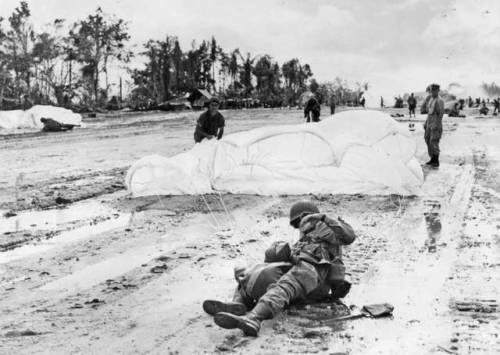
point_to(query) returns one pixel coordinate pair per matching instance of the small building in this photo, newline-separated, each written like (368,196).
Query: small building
(199,98)
(176,104)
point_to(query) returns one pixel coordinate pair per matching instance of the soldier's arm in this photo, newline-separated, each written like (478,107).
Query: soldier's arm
(333,231)
(344,233)
(440,107)
(221,133)
(222,123)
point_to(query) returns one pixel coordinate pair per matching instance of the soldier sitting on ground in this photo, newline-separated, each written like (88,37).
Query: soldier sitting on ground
(483,110)
(50,125)
(455,110)
(311,269)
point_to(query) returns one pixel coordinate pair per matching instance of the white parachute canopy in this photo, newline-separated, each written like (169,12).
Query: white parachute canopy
(352,152)
(16,119)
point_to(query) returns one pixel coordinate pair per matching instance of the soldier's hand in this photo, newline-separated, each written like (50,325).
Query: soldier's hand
(308,222)
(294,259)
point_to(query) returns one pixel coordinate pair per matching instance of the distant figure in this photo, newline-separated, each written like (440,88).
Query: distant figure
(412,104)
(423,108)
(496,104)
(398,102)
(332,105)
(469,102)
(362,101)
(210,123)
(50,125)
(483,110)
(455,110)
(312,110)
(434,125)
(381,102)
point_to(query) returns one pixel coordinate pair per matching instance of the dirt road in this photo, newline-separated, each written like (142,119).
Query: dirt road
(106,274)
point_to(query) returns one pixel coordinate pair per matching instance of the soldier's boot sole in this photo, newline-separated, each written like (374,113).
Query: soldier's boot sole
(230,321)
(213,307)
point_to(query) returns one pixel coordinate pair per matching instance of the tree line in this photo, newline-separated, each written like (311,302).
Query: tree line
(67,65)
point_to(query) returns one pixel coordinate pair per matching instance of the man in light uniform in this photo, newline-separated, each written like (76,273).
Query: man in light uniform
(434,125)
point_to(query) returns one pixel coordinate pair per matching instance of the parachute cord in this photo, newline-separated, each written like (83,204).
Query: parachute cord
(229,215)
(217,224)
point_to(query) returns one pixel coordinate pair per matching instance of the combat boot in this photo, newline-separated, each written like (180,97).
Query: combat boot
(435,162)
(431,161)
(250,324)
(213,307)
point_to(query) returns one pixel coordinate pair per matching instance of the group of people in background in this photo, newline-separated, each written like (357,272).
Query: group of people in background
(211,123)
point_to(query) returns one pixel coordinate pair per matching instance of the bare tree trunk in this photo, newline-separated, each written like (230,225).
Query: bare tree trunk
(96,85)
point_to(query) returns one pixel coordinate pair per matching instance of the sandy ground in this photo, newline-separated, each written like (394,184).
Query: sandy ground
(86,269)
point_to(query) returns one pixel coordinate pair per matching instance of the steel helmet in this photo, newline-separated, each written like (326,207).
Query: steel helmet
(301,208)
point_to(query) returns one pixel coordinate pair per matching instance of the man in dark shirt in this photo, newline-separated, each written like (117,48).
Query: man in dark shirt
(210,123)
(312,108)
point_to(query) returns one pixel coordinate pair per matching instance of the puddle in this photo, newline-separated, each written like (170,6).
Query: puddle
(433,224)
(65,238)
(53,218)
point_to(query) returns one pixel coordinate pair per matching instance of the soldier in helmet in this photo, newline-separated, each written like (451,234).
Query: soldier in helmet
(314,269)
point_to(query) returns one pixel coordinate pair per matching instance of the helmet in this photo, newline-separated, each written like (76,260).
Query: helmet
(299,209)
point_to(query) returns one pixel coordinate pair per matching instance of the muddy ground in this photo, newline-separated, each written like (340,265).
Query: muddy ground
(86,269)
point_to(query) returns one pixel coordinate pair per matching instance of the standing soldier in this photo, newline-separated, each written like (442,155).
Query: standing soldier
(412,104)
(332,105)
(210,123)
(434,125)
(496,105)
(317,267)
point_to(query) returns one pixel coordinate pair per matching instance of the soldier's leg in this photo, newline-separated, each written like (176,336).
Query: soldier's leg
(427,138)
(294,285)
(240,296)
(239,305)
(435,137)
(299,281)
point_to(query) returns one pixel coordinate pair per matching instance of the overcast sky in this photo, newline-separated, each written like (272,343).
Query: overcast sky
(395,45)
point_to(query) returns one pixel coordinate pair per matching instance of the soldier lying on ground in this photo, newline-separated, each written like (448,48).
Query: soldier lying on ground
(311,269)
(50,125)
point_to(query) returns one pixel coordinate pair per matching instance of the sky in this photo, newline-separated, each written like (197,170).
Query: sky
(396,46)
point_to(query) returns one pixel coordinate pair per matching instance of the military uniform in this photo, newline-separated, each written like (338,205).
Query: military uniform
(412,104)
(315,255)
(434,125)
(315,268)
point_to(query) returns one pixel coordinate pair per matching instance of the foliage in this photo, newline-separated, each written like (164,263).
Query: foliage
(68,63)
(491,89)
